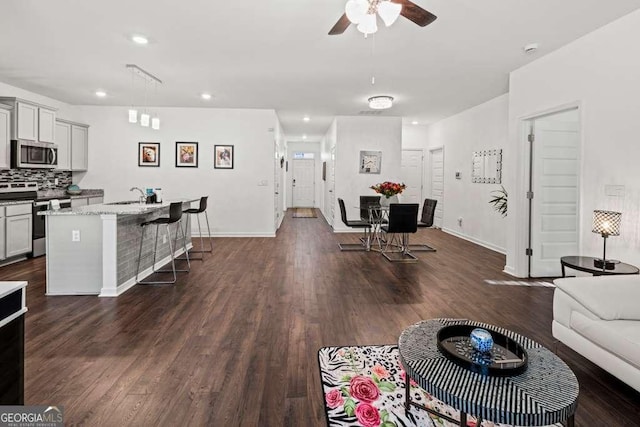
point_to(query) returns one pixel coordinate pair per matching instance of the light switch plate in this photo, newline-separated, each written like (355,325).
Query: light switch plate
(614,190)
(75,235)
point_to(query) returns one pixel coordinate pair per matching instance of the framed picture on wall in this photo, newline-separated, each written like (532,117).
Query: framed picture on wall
(370,161)
(149,154)
(186,154)
(223,156)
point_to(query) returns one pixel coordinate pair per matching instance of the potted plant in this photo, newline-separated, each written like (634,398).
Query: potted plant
(499,200)
(389,190)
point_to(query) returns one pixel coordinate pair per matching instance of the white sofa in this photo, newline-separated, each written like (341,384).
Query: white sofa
(599,317)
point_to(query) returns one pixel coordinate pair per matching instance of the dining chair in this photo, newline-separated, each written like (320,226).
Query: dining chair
(364,225)
(403,220)
(426,221)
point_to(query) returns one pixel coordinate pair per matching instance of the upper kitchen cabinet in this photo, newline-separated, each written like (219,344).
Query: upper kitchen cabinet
(72,140)
(31,121)
(5,136)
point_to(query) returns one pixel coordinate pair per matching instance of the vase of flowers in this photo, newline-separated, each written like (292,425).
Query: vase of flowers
(389,191)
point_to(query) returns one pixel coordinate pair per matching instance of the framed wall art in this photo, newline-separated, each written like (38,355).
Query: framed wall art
(223,157)
(186,154)
(149,154)
(370,161)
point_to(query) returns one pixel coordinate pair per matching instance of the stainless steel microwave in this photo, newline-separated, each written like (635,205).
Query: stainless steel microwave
(30,154)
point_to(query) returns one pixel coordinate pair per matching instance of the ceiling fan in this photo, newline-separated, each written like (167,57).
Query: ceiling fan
(363,13)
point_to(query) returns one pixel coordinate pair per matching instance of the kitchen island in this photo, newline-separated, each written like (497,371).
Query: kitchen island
(93,250)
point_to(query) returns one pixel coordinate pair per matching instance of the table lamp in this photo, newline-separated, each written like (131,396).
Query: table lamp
(606,223)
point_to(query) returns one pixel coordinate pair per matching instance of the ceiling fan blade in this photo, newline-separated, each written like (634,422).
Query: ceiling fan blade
(341,26)
(415,13)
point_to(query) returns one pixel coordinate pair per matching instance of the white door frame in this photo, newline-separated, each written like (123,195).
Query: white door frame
(430,186)
(421,193)
(518,202)
(312,162)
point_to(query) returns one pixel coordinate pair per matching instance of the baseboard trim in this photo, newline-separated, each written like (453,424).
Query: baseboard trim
(482,243)
(236,234)
(509,270)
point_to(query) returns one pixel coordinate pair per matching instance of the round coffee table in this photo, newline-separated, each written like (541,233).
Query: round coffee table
(546,393)
(585,263)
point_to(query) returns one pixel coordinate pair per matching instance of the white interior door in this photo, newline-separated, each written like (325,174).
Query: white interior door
(329,202)
(555,153)
(437,183)
(411,175)
(303,183)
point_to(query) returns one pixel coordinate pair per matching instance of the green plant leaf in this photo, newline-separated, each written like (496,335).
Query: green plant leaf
(375,378)
(388,424)
(386,386)
(346,378)
(384,415)
(344,391)
(349,407)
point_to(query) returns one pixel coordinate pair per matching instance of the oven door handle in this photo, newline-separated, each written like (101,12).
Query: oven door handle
(38,204)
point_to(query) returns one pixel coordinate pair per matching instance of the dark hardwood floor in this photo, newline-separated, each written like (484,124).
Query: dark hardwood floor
(234,342)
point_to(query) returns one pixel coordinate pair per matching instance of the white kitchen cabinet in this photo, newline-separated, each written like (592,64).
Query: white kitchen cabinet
(46,125)
(79,202)
(95,200)
(18,232)
(26,121)
(3,252)
(63,141)
(79,147)
(31,121)
(5,137)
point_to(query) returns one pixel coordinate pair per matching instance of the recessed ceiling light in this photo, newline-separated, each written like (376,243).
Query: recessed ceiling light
(304,136)
(139,39)
(415,122)
(101,93)
(206,96)
(306,118)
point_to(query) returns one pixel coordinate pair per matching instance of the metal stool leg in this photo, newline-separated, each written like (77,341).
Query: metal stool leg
(206,217)
(155,250)
(175,245)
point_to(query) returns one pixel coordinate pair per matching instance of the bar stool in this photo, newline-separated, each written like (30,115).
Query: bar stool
(197,212)
(175,214)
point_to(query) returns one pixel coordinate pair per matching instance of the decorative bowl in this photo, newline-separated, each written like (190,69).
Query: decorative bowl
(74,190)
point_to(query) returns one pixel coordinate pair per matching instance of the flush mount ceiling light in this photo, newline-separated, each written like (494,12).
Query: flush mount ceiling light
(381,102)
(145,117)
(306,118)
(415,122)
(139,39)
(101,93)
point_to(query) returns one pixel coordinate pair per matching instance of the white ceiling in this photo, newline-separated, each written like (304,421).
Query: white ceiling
(277,54)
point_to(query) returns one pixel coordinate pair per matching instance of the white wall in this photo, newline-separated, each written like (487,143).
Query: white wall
(305,147)
(65,111)
(600,73)
(238,206)
(329,195)
(483,127)
(355,134)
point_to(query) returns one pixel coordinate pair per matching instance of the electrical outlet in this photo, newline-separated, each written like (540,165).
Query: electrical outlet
(75,235)
(55,181)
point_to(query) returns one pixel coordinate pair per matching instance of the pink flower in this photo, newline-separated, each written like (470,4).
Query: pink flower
(334,398)
(380,371)
(363,389)
(403,377)
(367,415)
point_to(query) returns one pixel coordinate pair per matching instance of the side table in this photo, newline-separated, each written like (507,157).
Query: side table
(585,263)
(546,393)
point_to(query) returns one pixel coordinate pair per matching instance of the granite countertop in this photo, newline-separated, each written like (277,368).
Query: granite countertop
(8,287)
(15,202)
(116,209)
(62,194)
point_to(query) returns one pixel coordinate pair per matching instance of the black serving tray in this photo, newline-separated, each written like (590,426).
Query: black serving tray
(506,358)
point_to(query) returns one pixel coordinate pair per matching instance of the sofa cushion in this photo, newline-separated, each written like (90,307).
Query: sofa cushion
(620,337)
(608,297)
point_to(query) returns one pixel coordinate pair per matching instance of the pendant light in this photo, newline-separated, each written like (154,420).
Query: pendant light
(155,120)
(145,116)
(133,113)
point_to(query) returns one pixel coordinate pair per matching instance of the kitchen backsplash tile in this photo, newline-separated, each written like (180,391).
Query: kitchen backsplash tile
(44,177)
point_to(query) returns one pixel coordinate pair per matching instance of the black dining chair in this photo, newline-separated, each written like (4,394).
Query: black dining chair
(364,225)
(403,220)
(426,221)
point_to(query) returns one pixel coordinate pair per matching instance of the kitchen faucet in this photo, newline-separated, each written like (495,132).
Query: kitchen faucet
(143,197)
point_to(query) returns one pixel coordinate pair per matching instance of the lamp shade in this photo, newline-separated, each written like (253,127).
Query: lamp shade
(607,223)
(389,12)
(356,10)
(368,24)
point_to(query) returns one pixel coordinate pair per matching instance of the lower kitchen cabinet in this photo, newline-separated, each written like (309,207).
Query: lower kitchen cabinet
(3,222)
(18,236)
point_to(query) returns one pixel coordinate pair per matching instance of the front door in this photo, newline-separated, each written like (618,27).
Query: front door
(411,175)
(554,197)
(303,183)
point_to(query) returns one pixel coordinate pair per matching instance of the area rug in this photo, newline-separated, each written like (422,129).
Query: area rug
(520,283)
(364,386)
(304,213)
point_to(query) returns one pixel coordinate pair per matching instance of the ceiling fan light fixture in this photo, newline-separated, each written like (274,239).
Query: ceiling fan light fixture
(381,102)
(356,10)
(368,24)
(389,12)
